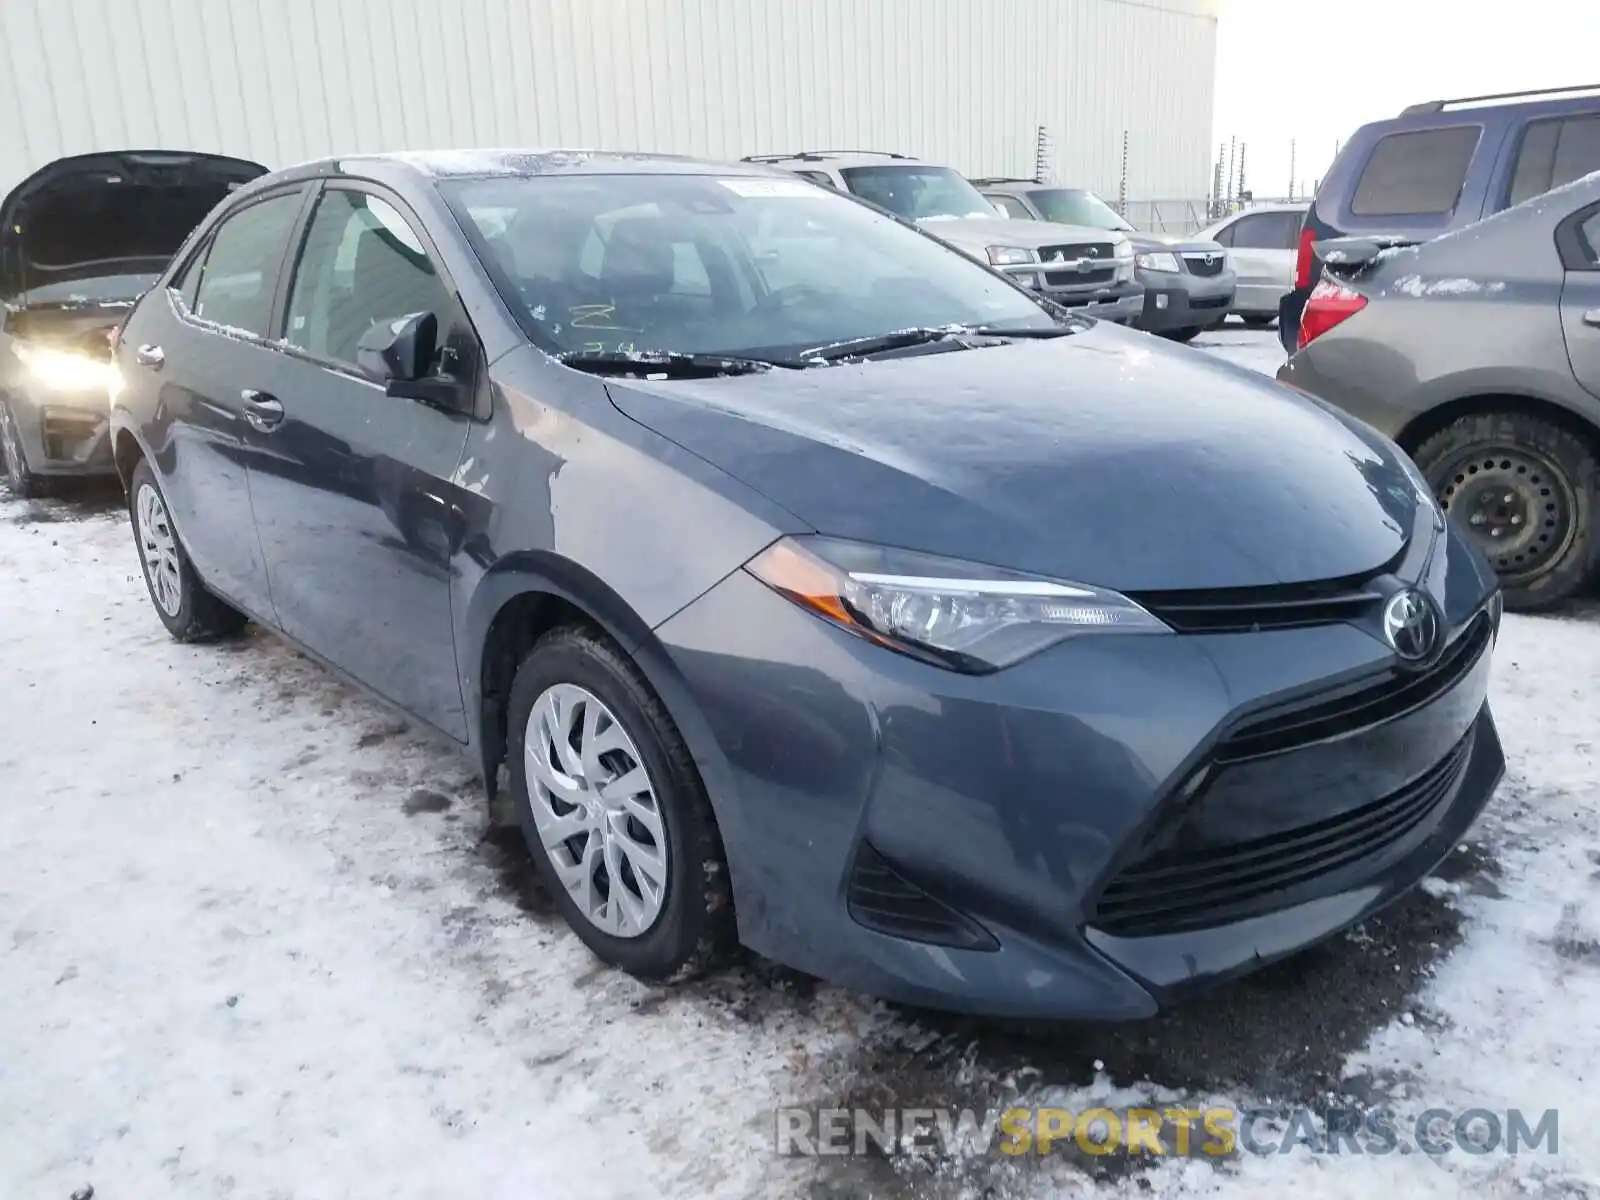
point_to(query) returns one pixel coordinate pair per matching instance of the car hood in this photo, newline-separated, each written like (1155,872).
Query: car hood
(120,213)
(1106,457)
(976,233)
(1176,243)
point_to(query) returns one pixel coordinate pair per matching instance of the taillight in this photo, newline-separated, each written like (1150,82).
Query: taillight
(1328,304)
(1302,264)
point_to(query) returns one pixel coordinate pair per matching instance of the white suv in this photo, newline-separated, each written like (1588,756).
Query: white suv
(1090,270)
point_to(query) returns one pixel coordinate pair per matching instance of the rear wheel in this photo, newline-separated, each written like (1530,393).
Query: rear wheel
(186,608)
(614,812)
(1522,488)
(22,482)
(1256,320)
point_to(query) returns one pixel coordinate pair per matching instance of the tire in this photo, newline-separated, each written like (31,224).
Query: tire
(692,929)
(1256,321)
(1533,481)
(186,608)
(1183,335)
(23,483)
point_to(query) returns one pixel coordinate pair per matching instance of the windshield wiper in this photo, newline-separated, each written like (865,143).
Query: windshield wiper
(1054,331)
(670,363)
(900,339)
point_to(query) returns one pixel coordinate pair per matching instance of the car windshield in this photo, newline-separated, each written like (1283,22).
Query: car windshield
(918,192)
(746,266)
(1077,206)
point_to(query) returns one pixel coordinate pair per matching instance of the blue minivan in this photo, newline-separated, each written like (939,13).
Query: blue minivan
(1445,164)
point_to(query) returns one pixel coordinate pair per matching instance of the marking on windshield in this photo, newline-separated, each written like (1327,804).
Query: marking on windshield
(764,189)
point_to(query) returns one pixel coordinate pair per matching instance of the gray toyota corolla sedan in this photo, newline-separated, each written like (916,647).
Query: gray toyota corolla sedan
(812,584)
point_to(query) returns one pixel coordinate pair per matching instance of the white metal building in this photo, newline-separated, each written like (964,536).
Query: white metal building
(967,82)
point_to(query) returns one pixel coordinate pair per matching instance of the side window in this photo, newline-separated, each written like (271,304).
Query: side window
(1417,173)
(1589,236)
(1011,206)
(1264,231)
(361,264)
(1554,152)
(188,282)
(1225,235)
(241,269)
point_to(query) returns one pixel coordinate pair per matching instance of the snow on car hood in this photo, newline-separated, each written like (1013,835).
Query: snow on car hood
(1106,457)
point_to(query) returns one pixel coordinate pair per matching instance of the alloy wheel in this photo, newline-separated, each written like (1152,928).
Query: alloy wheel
(596,812)
(159,548)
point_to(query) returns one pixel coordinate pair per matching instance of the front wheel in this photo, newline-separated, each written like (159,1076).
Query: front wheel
(614,812)
(1256,320)
(1182,335)
(186,608)
(1522,488)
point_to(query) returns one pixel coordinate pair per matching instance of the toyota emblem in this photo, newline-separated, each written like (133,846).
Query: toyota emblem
(1410,625)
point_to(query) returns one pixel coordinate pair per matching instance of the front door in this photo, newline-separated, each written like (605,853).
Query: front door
(354,490)
(1580,296)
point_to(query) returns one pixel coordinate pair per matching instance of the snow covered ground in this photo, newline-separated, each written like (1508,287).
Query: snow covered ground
(259,940)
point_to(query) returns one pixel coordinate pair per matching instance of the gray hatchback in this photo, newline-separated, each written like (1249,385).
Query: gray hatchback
(1480,354)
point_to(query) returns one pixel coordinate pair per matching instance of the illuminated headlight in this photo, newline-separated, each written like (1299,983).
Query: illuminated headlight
(64,371)
(1011,256)
(955,614)
(1157,260)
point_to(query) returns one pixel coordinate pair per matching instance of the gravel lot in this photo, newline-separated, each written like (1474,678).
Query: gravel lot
(260,941)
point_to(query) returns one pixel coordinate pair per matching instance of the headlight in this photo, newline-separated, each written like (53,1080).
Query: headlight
(1011,256)
(956,614)
(1157,260)
(62,370)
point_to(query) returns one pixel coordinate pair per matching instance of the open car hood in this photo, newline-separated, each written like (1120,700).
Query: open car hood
(122,212)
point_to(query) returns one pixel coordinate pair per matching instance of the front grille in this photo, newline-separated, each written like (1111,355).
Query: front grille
(1284,606)
(1175,891)
(1049,254)
(1197,265)
(880,898)
(1079,278)
(1359,705)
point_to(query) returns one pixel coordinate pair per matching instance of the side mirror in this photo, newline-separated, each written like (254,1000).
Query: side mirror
(404,355)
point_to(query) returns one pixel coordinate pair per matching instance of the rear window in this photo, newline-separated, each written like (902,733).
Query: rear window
(1418,173)
(1553,152)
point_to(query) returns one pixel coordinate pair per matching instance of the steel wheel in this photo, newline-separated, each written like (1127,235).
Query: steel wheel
(12,459)
(1516,503)
(595,811)
(159,548)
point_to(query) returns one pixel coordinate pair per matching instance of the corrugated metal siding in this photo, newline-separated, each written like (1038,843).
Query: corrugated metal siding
(962,81)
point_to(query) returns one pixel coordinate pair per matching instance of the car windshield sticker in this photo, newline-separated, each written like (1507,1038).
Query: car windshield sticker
(766,189)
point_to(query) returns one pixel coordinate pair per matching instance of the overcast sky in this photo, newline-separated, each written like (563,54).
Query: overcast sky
(1275,82)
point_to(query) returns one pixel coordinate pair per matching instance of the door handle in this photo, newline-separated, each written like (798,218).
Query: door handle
(153,357)
(262,410)
(1592,317)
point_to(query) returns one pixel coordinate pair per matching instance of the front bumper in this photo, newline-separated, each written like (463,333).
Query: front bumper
(1178,300)
(1121,302)
(63,435)
(1027,809)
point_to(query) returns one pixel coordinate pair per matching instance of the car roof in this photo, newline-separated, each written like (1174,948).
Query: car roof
(837,159)
(414,166)
(1275,206)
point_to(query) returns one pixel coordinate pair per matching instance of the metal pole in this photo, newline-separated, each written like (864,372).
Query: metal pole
(1291,168)
(1122,183)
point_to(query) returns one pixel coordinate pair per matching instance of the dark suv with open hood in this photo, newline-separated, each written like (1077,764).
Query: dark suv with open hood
(80,240)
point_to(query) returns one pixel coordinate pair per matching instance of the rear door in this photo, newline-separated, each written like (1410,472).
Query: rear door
(202,347)
(1261,252)
(354,490)
(1578,238)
